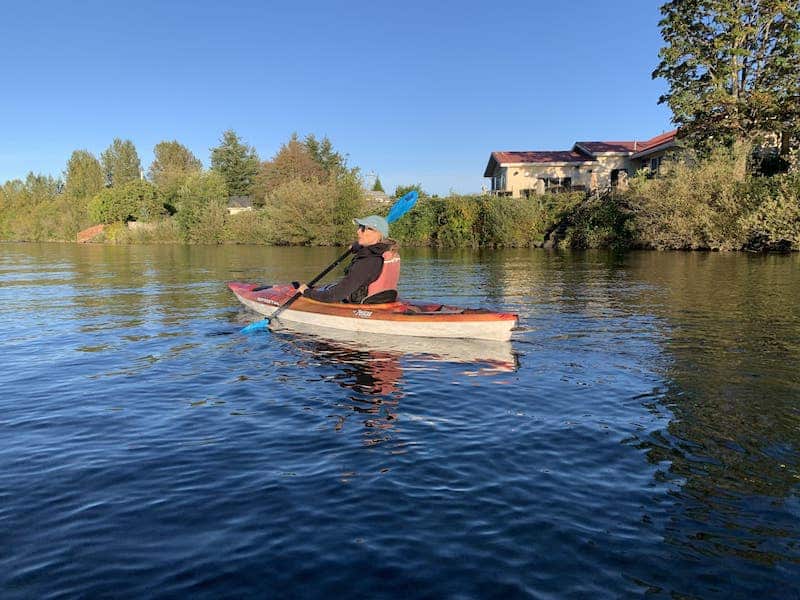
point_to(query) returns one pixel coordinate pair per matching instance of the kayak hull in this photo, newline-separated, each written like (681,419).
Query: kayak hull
(416,319)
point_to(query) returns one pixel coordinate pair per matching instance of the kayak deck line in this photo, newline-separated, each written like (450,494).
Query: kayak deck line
(423,319)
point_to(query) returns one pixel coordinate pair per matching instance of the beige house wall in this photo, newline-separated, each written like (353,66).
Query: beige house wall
(644,162)
(529,177)
(607,163)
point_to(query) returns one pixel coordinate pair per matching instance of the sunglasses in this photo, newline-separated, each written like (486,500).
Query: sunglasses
(363,228)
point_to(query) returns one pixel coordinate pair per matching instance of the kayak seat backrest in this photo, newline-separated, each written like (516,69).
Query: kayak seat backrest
(382,297)
(435,310)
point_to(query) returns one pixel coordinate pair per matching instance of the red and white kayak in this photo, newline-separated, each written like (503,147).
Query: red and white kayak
(419,319)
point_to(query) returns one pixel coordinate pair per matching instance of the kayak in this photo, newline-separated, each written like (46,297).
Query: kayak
(488,356)
(416,319)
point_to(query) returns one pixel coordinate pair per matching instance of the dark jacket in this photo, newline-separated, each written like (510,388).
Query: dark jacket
(365,268)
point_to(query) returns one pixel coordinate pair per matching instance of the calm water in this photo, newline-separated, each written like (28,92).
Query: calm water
(639,437)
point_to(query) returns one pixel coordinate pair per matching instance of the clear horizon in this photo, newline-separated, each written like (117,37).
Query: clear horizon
(421,93)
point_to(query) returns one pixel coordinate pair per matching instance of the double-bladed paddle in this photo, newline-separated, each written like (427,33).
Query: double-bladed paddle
(399,208)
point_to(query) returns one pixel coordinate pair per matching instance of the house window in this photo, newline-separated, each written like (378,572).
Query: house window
(555,185)
(499,180)
(527,193)
(655,164)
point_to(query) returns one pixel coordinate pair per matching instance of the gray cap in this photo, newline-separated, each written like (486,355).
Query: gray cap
(374,222)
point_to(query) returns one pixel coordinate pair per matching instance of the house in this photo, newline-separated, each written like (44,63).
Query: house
(377,197)
(237,204)
(587,166)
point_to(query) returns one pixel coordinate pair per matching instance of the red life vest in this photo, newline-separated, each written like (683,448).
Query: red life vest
(390,274)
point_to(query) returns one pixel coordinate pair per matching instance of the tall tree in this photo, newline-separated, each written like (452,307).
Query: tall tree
(377,187)
(172,160)
(293,161)
(121,162)
(84,175)
(733,68)
(172,164)
(323,153)
(237,163)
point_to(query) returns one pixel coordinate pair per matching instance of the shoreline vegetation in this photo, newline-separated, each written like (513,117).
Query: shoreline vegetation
(308,195)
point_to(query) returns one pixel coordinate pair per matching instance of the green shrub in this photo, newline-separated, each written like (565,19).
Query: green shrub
(418,226)
(136,200)
(485,221)
(713,204)
(313,212)
(202,208)
(604,222)
(248,227)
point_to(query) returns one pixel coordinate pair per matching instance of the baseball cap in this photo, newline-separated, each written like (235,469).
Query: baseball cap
(374,222)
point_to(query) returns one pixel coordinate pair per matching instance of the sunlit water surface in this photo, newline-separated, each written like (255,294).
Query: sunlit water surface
(638,437)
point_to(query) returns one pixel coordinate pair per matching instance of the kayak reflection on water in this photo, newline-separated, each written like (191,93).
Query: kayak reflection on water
(371,366)
(487,355)
(373,377)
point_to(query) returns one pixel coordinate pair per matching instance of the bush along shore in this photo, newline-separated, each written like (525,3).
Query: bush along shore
(306,195)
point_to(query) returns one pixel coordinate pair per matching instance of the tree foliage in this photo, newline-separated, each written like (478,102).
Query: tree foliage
(402,190)
(121,163)
(713,204)
(322,152)
(84,175)
(318,212)
(733,68)
(136,200)
(377,187)
(237,163)
(201,204)
(33,210)
(293,161)
(172,163)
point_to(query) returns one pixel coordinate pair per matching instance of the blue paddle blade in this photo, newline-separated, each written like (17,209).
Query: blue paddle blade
(256,326)
(402,206)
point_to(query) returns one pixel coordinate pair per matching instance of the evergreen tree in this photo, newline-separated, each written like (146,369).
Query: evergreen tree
(733,68)
(172,160)
(237,163)
(377,187)
(323,153)
(84,175)
(121,163)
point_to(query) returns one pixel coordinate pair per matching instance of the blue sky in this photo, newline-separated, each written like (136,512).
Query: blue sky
(414,91)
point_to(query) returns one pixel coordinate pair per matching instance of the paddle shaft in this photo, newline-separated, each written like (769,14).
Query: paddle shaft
(311,283)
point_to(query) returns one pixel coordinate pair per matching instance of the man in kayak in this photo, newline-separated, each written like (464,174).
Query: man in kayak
(372,275)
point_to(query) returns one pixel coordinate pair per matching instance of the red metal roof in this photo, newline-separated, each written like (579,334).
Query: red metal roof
(607,146)
(669,136)
(634,146)
(545,156)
